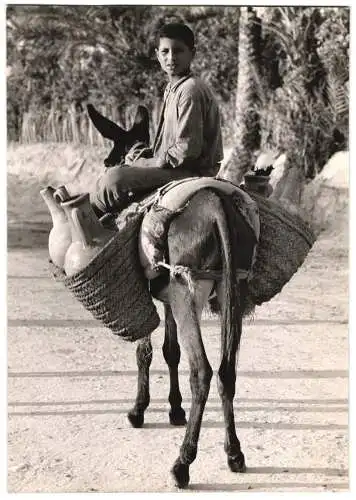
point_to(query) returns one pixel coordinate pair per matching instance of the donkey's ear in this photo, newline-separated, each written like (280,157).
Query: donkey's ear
(142,116)
(141,126)
(106,127)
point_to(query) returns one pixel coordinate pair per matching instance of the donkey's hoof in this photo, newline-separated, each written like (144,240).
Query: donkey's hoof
(180,473)
(136,419)
(177,417)
(237,463)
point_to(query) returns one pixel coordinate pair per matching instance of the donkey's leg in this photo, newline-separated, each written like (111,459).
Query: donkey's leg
(187,310)
(226,388)
(171,353)
(144,359)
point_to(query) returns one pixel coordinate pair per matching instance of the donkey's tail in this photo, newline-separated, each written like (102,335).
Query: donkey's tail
(231,288)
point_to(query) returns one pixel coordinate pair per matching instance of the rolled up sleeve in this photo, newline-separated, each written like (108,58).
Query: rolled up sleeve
(189,137)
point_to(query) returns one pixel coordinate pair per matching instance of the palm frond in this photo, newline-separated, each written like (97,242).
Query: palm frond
(338,96)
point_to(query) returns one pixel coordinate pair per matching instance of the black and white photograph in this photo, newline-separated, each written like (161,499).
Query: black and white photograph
(177,248)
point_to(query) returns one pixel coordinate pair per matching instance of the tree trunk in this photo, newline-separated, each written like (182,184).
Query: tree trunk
(247,136)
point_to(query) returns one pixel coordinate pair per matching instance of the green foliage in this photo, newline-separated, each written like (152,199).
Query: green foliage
(297,76)
(306,113)
(60,55)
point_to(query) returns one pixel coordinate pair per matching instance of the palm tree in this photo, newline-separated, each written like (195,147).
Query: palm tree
(247,127)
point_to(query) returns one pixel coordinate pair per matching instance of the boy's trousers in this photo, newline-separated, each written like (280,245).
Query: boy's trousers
(114,189)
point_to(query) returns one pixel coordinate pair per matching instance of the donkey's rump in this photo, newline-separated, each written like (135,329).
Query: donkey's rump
(174,200)
(284,239)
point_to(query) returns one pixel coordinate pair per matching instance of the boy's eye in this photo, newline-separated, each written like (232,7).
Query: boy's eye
(175,51)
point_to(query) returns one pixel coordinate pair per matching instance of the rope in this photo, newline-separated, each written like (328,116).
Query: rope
(197,274)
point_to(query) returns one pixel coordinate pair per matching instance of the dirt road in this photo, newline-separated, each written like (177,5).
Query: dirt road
(71,383)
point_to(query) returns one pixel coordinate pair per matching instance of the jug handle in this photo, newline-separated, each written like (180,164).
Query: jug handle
(61,194)
(78,222)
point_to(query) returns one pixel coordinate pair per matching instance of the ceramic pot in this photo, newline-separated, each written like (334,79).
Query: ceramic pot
(59,238)
(89,236)
(258,184)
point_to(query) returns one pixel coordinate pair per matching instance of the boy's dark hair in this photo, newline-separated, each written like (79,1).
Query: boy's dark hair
(176,31)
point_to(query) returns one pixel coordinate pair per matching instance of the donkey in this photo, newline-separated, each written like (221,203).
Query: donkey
(198,238)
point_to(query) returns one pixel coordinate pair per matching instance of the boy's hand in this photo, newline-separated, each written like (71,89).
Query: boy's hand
(134,155)
(162,164)
(146,153)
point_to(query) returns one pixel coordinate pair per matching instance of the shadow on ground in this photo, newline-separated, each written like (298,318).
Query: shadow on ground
(32,235)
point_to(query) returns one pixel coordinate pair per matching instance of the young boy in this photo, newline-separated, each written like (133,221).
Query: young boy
(188,140)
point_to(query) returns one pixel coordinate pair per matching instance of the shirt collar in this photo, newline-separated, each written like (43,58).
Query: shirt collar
(173,87)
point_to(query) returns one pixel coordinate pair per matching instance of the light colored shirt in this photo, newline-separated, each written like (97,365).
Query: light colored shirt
(189,131)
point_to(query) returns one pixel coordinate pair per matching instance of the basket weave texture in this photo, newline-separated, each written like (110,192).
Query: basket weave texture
(285,240)
(113,286)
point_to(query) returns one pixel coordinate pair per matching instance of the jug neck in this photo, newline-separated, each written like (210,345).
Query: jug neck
(54,206)
(85,226)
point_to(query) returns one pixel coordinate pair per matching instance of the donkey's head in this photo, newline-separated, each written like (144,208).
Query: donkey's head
(123,139)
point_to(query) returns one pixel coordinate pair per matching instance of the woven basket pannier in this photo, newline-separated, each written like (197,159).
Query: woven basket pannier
(285,240)
(113,286)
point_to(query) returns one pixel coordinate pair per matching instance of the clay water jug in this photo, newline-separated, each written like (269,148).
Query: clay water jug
(59,238)
(89,235)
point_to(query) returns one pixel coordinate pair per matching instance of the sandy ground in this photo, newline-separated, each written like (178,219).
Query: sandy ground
(71,383)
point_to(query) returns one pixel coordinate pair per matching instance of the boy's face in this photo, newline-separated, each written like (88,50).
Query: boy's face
(174,57)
